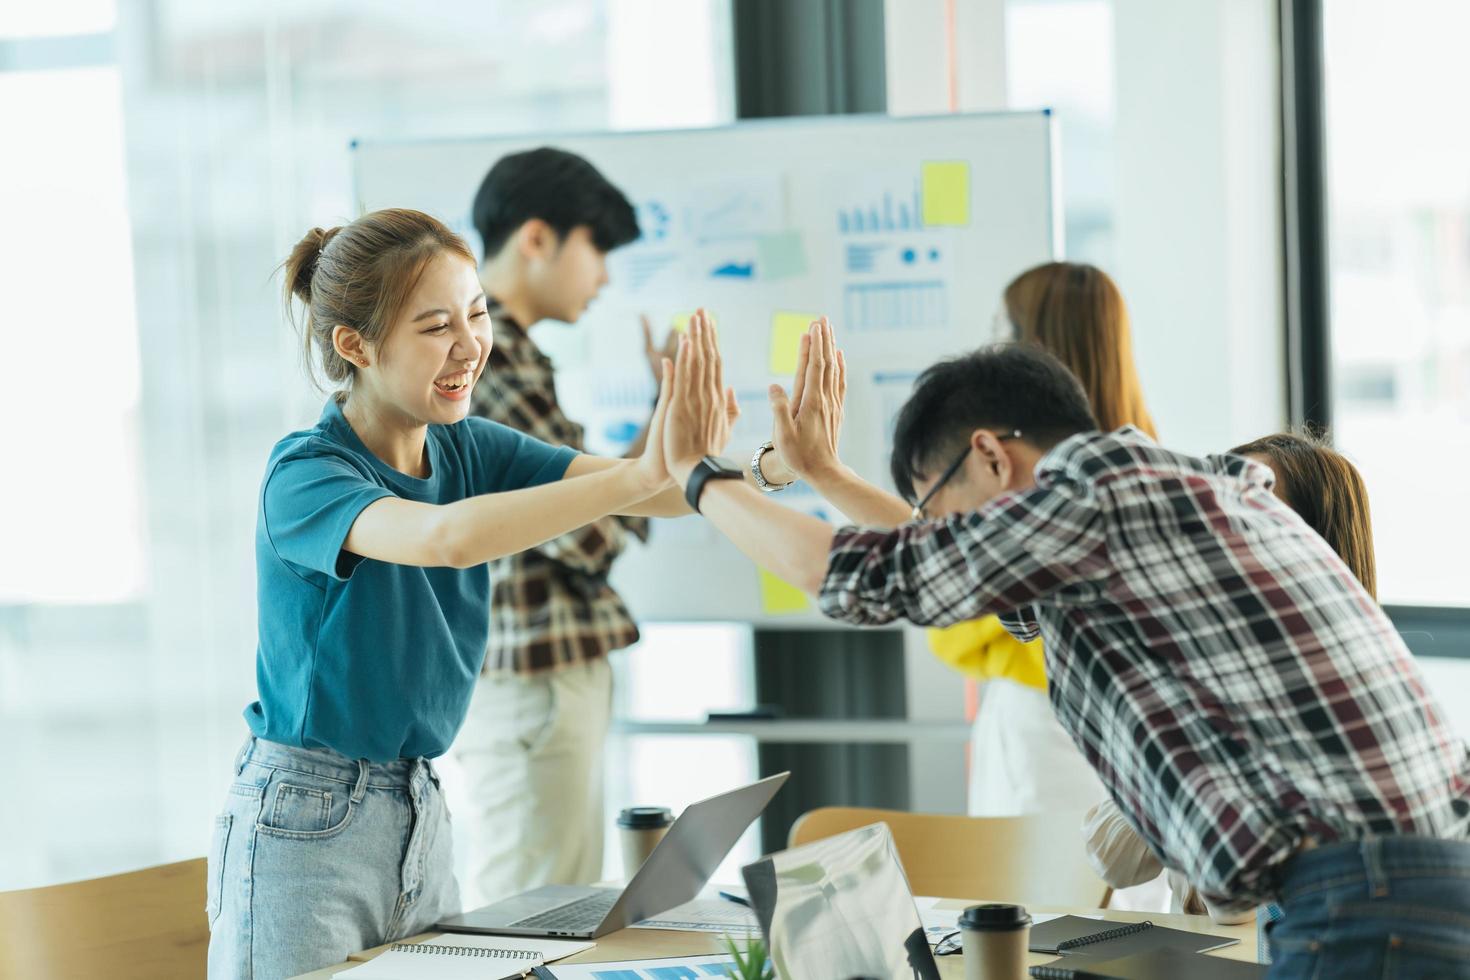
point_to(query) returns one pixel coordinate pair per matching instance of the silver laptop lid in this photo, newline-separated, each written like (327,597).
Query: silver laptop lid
(840,907)
(687,857)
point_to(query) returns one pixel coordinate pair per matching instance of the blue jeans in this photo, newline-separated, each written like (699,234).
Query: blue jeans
(317,856)
(1385,907)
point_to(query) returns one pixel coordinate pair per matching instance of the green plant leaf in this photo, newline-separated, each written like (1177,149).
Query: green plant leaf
(752,962)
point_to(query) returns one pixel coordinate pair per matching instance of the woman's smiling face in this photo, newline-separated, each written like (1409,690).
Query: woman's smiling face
(435,350)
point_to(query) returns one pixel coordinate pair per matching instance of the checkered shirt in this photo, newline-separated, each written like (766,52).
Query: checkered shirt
(1230,681)
(551,606)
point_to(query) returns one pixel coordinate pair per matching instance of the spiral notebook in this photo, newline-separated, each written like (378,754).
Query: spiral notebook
(1158,964)
(462,958)
(1098,937)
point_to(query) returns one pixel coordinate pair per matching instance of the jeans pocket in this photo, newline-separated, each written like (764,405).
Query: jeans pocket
(1330,958)
(1422,959)
(215,867)
(300,808)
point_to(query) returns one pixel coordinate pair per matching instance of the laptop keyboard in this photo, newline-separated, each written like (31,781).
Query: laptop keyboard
(583,914)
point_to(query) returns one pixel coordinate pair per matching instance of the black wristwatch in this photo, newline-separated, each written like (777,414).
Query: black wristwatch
(709,468)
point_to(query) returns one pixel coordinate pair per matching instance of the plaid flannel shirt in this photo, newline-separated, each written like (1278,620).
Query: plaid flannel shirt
(550,606)
(1232,684)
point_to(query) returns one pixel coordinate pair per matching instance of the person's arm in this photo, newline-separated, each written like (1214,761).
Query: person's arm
(479,529)
(869,505)
(1114,849)
(667,501)
(807,427)
(591,548)
(786,542)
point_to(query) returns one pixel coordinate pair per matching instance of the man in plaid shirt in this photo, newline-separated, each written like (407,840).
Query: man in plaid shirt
(1248,706)
(530,751)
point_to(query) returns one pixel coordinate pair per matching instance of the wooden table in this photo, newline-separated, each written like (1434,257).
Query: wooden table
(637,944)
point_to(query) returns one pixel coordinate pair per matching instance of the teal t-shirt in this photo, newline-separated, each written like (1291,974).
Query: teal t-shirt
(371,659)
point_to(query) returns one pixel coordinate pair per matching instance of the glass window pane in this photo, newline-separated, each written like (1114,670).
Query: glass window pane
(70,369)
(683,671)
(56,19)
(1399,226)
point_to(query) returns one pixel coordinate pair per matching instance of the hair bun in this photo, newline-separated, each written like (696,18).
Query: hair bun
(304,259)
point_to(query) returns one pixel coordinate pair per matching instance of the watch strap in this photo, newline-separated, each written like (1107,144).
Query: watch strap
(708,468)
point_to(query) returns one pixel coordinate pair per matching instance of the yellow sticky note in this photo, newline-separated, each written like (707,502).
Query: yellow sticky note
(946,192)
(786,331)
(679,322)
(779,597)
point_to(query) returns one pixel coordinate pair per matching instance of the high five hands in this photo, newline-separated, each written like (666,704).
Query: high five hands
(701,409)
(696,411)
(807,424)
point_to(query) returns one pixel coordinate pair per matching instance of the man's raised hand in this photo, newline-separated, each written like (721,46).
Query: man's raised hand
(807,425)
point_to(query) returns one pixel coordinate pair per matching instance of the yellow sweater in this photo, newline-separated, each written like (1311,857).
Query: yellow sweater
(982,648)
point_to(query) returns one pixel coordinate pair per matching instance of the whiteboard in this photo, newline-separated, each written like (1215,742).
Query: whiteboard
(903,231)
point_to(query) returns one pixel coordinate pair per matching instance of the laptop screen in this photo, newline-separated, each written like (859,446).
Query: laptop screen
(840,907)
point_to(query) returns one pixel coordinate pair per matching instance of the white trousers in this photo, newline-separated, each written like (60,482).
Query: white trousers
(525,781)
(1021,761)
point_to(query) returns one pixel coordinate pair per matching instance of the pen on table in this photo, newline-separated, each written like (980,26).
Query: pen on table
(738,900)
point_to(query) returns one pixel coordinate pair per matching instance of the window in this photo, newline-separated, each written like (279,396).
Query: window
(72,520)
(173,153)
(1398,156)
(73,17)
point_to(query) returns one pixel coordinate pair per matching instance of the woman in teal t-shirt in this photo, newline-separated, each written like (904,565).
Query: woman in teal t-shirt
(373,530)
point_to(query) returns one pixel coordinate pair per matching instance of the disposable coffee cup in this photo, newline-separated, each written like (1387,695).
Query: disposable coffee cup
(994,939)
(641,828)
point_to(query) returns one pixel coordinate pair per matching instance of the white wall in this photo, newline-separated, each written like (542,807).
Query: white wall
(917,56)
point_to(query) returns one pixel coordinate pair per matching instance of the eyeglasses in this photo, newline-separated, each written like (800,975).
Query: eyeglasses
(950,945)
(953,468)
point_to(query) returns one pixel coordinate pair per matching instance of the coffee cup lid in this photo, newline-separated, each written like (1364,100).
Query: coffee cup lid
(645,817)
(994,917)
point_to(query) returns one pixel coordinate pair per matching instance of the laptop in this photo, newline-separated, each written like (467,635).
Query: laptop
(675,872)
(840,907)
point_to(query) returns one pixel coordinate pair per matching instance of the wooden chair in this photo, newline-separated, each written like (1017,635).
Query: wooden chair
(1032,860)
(143,924)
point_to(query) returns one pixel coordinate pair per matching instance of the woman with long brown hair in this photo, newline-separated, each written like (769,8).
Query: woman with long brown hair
(1020,760)
(1076,313)
(1321,485)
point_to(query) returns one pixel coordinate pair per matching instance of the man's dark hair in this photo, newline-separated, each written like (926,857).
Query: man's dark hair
(561,189)
(1003,388)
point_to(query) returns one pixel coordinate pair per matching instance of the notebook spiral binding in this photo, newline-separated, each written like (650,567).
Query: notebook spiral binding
(1102,937)
(480,951)
(1050,972)
(1053,972)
